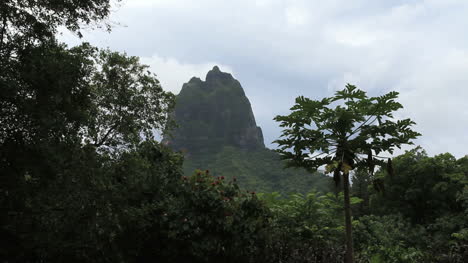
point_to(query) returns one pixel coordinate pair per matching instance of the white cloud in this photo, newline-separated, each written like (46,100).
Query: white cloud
(435,96)
(355,37)
(172,73)
(296,16)
(264,3)
(147,3)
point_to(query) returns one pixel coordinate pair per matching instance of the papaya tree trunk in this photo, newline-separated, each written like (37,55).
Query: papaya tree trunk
(349,258)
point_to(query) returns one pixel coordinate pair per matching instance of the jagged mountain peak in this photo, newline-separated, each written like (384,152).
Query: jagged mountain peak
(216,76)
(214,113)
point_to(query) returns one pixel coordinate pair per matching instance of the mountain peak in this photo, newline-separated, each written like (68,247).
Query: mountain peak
(214,113)
(216,75)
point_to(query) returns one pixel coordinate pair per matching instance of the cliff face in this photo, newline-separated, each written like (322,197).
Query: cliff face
(214,113)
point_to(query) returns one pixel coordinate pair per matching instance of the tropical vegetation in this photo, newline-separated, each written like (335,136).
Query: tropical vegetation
(84,177)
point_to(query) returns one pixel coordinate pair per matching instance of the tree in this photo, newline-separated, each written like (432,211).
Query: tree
(210,219)
(27,32)
(430,192)
(26,22)
(71,112)
(129,104)
(424,189)
(306,228)
(343,137)
(79,169)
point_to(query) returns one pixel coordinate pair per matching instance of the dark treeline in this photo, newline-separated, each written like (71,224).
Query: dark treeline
(82,178)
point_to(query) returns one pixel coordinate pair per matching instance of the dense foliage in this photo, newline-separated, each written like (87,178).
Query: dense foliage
(306,228)
(260,170)
(65,131)
(212,220)
(430,193)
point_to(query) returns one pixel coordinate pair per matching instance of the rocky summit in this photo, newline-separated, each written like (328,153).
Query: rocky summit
(214,113)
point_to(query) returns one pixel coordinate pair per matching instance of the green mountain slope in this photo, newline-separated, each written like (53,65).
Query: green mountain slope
(217,132)
(260,170)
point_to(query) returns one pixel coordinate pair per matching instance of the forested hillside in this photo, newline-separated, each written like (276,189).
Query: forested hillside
(261,170)
(84,178)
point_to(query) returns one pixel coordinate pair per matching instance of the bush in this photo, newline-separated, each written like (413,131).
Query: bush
(211,220)
(306,228)
(388,239)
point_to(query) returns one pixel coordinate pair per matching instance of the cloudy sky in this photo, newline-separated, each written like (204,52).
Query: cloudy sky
(280,49)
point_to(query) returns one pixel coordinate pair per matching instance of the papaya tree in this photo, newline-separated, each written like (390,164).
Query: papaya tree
(341,133)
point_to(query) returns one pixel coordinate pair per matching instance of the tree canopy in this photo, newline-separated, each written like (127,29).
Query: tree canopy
(354,132)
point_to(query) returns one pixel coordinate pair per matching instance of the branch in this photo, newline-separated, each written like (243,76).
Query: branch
(317,155)
(104,138)
(376,156)
(382,157)
(3,32)
(360,127)
(362,124)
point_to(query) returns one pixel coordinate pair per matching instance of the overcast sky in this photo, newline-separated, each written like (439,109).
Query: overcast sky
(281,49)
